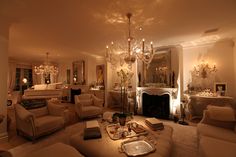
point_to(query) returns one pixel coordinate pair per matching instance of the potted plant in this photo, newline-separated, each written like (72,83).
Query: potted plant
(125,75)
(121,117)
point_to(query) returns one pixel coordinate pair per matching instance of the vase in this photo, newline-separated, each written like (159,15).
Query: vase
(122,120)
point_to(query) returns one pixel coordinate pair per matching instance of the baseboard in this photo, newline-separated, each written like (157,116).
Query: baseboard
(4,137)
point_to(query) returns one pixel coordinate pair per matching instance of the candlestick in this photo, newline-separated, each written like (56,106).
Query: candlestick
(151,47)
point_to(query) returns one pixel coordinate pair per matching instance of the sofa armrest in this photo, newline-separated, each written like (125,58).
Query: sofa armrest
(97,102)
(56,110)
(223,124)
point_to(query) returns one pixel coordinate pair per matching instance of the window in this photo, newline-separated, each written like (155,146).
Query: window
(20,75)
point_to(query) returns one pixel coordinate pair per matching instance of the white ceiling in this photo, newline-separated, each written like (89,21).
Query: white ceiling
(70,28)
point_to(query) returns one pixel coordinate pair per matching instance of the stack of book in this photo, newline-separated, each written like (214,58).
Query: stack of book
(154,123)
(92,130)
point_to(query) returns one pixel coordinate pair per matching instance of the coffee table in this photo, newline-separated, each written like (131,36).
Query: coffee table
(106,147)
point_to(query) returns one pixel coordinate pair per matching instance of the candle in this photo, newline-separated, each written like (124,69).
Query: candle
(143,45)
(129,40)
(107,54)
(151,47)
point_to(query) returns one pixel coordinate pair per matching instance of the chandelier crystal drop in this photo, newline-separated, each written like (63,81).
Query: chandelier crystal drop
(135,49)
(46,68)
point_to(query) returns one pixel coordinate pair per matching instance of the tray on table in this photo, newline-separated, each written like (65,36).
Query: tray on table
(116,132)
(137,147)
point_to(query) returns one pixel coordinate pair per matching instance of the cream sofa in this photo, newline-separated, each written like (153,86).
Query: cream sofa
(216,138)
(34,123)
(57,150)
(43,91)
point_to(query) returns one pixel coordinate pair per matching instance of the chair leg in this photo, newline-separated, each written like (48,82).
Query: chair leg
(33,140)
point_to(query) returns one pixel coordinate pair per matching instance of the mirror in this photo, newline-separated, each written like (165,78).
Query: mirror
(162,70)
(78,68)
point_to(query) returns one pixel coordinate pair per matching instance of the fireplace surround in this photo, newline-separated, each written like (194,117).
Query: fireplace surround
(155,101)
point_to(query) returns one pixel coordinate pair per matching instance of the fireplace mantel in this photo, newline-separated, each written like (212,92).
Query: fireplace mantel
(154,91)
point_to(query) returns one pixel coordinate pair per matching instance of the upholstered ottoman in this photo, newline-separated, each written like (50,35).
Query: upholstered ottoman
(212,147)
(106,147)
(57,150)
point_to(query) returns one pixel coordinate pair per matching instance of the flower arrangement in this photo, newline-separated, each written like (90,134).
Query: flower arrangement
(125,75)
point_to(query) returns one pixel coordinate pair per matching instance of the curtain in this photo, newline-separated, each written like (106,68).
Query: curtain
(37,79)
(11,80)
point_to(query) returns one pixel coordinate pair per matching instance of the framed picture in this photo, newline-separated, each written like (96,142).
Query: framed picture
(100,74)
(220,88)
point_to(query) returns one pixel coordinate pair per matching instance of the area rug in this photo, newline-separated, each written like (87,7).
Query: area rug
(184,140)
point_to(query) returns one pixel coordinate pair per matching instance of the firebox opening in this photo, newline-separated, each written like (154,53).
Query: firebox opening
(156,106)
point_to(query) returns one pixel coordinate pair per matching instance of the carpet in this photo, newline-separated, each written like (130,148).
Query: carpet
(184,140)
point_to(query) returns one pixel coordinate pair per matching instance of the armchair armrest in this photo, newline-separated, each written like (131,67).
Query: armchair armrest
(24,114)
(97,102)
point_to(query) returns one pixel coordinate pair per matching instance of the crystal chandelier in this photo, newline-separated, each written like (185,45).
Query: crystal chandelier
(46,68)
(135,49)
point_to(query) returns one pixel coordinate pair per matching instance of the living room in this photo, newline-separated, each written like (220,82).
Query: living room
(179,53)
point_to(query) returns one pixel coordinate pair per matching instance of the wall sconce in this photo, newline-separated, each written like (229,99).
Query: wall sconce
(204,69)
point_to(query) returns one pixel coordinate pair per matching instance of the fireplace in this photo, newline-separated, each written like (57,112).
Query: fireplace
(156,102)
(156,105)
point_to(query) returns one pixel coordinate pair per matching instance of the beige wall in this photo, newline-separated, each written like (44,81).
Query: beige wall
(90,68)
(234,51)
(3,85)
(220,53)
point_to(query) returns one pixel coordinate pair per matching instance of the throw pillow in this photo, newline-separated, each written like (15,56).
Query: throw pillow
(51,86)
(221,113)
(40,87)
(74,92)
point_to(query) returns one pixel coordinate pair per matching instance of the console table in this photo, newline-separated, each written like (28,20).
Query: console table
(198,104)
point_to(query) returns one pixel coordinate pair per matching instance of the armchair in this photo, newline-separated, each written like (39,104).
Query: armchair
(88,105)
(41,121)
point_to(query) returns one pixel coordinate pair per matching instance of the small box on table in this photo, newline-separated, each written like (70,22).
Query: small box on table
(92,130)
(154,123)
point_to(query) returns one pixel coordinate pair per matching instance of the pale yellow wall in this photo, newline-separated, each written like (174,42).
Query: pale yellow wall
(234,51)
(3,85)
(220,53)
(90,68)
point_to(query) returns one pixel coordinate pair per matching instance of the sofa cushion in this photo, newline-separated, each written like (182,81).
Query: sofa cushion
(221,113)
(88,102)
(212,147)
(47,123)
(58,150)
(216,132)
(39,112)
(51,86)
(91,111)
